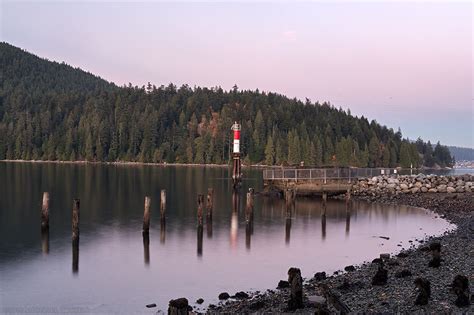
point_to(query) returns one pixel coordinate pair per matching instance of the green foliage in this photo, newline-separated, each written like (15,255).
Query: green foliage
(52,111)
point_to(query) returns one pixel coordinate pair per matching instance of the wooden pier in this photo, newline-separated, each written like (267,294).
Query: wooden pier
(317,181)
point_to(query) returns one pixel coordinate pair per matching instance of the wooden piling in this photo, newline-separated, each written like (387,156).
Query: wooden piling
(146,215)
(348,195)
(209,227)
(163,203)
(325,197)
(75,219)
(200,202)
(210,202)
(323,226)
(45,211)
(249,206)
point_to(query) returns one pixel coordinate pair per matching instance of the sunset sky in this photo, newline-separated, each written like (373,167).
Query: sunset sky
(406,64)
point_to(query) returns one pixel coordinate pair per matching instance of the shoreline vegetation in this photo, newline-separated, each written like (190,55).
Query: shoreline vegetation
(355,289)
(133,163)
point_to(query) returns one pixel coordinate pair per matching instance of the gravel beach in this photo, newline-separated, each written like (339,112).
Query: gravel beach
(354,289)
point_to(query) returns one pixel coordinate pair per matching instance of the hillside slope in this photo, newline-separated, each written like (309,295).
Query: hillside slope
(52,111)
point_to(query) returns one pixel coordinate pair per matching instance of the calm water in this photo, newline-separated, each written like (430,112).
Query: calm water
(115,272)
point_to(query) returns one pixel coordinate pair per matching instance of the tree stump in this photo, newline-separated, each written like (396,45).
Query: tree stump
(178,307)
(424,291)
(435,248)
(460,287)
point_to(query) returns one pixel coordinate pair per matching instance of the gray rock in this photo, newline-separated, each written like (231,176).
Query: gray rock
(316,301)
(450,190)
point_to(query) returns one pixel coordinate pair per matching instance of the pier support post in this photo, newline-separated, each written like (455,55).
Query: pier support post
(163,203)
(325,197)
(348,195)
(249,205)
(45,211)
(75,219)
(210,202)
(146,215)
(200,204)
(75,234)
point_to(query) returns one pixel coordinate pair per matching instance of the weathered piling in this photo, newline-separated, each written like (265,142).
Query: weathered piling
(210,202)
(146,215)
(325,197)
(290,195)
(200,205)
(178,307)
(296,289)
(163,203)
(199,240)
(348,195)
(45,211)
(75,219)
(249,206)
(146,247)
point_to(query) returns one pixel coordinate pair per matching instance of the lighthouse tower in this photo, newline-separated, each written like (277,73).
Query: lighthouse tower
(236,173)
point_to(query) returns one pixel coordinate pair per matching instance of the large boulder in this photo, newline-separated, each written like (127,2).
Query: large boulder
(450,190)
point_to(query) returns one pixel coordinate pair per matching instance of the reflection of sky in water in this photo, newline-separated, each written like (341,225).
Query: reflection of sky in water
(120,271)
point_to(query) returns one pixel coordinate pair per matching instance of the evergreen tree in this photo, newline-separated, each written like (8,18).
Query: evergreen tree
(269,152)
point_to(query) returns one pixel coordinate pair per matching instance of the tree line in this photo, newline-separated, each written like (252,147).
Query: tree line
(51,111)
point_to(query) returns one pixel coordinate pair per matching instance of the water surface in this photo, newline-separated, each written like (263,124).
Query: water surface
(114,270)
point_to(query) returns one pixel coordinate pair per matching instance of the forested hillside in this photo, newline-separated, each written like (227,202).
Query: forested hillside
(51,111)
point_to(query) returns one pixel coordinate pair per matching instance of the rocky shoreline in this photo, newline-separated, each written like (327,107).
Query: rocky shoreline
(354,289)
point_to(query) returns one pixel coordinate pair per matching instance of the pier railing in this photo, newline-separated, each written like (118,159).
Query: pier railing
(323,174)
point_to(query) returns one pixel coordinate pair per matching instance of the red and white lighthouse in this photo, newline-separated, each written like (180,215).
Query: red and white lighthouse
(236,129)
(236,173)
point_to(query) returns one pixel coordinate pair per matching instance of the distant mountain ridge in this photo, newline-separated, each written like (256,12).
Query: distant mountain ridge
(462,154)
(52,111)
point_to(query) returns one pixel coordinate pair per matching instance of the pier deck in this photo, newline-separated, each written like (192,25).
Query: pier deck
(318,181)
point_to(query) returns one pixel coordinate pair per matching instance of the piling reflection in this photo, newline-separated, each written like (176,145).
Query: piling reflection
(348,217)
(163,230)
(234,219)
(75,256)
(146,247)
(287,230)
(200,232)
(45,240)
(209,226)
